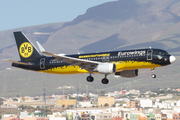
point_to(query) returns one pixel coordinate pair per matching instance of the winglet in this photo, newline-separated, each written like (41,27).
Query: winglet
(40,47)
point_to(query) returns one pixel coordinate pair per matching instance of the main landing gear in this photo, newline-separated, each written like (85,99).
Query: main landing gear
(153,75)
(91,79)
(104,80)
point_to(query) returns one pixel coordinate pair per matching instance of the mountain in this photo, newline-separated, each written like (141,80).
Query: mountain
(128,23)
(118,25)
(123,24)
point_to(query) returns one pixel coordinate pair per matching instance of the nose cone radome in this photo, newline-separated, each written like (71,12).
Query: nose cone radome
(172,59)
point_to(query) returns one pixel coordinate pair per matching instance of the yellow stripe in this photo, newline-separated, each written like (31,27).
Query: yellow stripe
(131,65)
(65,70)
(120,66)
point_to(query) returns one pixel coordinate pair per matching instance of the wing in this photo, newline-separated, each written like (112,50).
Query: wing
(83,64)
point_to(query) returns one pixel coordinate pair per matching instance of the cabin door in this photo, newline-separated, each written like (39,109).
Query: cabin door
(42,63)
(149,54)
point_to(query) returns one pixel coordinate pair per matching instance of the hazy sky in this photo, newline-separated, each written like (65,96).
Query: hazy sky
(22,13)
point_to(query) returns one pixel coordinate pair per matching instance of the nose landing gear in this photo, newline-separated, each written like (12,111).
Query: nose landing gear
(153,75)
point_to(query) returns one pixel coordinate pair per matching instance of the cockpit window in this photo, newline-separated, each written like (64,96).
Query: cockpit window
(163,53)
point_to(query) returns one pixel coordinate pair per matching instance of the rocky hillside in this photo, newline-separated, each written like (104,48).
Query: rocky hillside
(123,24)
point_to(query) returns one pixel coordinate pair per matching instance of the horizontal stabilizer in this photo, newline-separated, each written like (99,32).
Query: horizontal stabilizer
(22,63)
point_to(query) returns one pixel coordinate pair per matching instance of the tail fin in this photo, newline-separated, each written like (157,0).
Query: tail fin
(27,51)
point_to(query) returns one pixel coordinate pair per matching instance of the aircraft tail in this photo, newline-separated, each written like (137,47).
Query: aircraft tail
(27,51)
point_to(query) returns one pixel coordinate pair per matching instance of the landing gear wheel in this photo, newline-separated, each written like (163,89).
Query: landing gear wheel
(153,76)
(90,79)
(105,81)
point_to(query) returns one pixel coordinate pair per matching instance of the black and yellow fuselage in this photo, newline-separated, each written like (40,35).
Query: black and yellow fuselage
(122,63)
(124,60)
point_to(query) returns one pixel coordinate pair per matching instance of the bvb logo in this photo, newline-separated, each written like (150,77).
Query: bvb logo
(26,49)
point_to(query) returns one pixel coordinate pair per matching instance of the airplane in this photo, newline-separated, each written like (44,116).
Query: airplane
(121,63)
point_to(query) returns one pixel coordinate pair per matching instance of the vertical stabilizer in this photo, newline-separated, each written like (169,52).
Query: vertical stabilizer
(27,51)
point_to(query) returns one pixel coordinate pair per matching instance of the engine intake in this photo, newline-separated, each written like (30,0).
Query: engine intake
(128,73)
(106,68)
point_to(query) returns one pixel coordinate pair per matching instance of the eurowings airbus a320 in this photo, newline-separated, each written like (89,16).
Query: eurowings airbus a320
(121,63)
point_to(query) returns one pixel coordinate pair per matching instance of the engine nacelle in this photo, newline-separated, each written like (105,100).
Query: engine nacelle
(106,68)
(128,73)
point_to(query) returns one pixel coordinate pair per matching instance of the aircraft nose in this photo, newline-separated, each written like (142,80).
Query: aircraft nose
(172,59)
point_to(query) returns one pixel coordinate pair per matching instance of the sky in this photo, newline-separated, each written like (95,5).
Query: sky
(23,13)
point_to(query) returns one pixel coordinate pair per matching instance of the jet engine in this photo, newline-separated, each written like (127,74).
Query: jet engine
(128,73)
(106,68)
